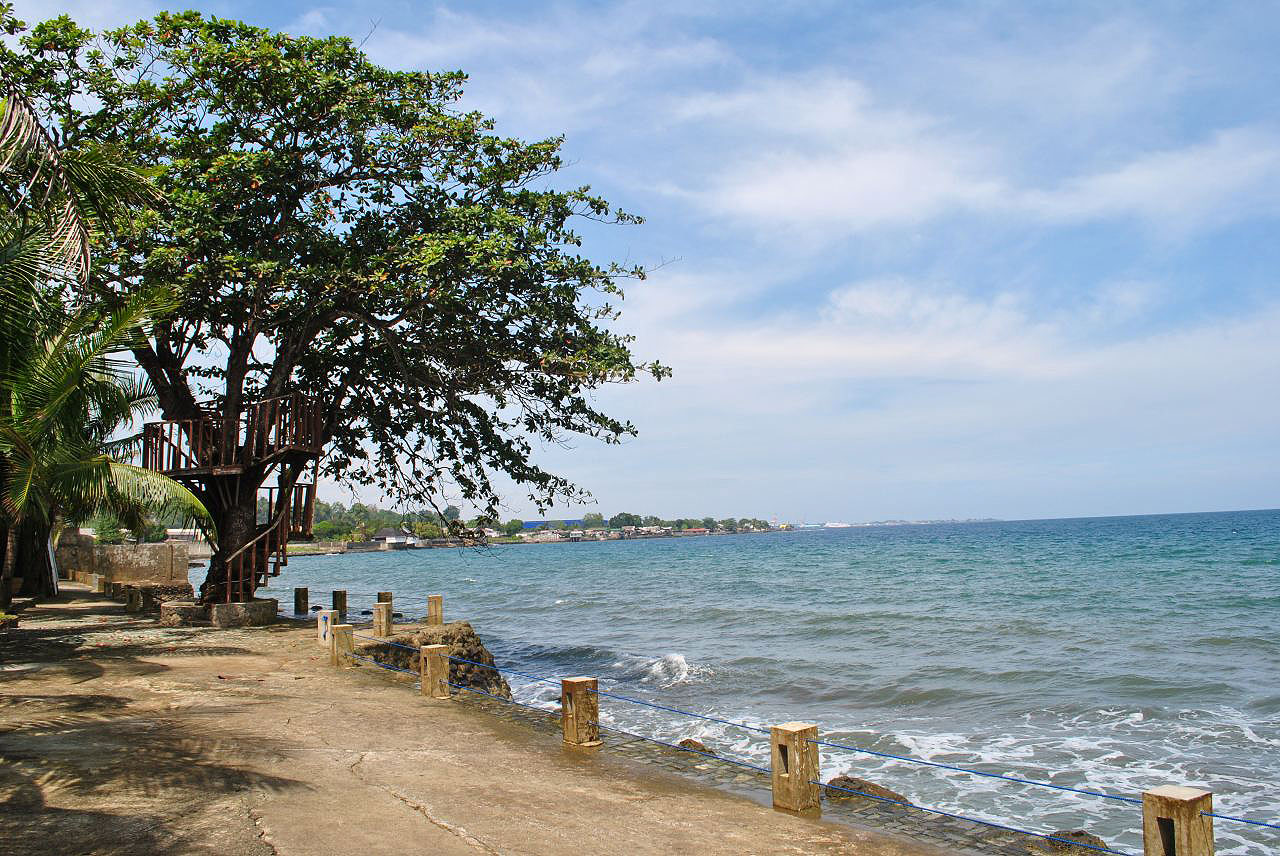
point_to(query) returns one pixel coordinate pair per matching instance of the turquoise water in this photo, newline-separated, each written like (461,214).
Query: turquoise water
(1113,654)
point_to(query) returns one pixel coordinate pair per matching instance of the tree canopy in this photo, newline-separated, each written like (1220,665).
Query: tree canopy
(350,232)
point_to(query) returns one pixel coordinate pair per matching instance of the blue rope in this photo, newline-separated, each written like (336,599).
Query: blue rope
(500,698)
(712,755)
(977,772)
(972,819)
(682,712)
(618,697)
(610,728)
(384,665)
(1240,820)
(511,671)
(385,642)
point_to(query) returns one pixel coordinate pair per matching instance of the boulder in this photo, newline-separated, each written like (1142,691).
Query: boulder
(258,612)
(183,613)
(463,643)
(870,789)
(1069,838)
(695,746)
(147,597)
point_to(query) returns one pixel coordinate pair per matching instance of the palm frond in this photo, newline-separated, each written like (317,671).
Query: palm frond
(27,149)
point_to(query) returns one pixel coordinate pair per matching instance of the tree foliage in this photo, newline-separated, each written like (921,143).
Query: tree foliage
(351,232)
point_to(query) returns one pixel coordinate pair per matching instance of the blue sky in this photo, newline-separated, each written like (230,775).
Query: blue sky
(913,260)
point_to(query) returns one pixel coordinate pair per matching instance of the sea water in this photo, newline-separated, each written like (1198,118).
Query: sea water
(1110,654)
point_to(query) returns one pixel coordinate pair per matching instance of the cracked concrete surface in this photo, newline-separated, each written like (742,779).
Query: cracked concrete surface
(121,737)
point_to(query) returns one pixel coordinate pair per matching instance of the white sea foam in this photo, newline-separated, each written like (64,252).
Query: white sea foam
(675,669)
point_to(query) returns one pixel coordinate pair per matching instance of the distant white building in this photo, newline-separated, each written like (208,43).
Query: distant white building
(390,536)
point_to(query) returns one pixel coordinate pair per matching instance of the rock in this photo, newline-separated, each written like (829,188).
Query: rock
(853,783)
(366,612)
(463,643)
(1075,836)
(695,746)
(183,613)
(258,612)
(317,608)
(171,591)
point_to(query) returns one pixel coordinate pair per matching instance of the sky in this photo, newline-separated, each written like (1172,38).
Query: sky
(910,260)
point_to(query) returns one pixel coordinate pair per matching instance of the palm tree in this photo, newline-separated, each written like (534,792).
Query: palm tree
(64,393)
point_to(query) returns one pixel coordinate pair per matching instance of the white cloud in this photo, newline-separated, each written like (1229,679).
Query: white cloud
(820,156)
(1233,175)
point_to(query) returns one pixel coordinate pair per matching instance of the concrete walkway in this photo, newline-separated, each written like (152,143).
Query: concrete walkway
(121,737)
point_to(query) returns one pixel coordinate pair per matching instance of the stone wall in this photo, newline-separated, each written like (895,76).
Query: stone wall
(158,563)
(316,548)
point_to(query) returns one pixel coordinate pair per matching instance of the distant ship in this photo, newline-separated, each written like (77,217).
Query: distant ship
(836,525)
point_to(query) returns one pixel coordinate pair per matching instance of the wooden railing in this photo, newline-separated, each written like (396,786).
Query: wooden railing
(264,430)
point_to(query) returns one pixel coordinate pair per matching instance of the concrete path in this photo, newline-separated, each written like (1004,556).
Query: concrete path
(121,737)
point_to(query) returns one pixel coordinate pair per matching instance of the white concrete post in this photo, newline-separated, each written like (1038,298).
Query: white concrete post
(1172,823)
(580,711)
(325,619)
(434,670)
(795,766)
(342,645)
(382,619)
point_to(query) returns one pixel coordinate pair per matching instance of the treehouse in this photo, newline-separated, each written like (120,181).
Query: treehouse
(213,458)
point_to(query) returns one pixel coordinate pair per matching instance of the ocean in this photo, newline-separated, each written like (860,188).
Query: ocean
(1112,654)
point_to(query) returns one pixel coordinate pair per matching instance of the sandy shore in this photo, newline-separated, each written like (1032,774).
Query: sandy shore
(118,736)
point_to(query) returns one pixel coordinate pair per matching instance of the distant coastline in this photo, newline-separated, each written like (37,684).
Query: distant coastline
(548,534)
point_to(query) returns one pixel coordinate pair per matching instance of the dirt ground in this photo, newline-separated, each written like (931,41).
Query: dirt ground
(118,736)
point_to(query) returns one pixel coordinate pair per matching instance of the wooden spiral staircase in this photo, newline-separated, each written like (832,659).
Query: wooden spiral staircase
(208,455)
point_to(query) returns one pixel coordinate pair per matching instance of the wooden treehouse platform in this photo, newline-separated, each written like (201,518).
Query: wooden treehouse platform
(206,450)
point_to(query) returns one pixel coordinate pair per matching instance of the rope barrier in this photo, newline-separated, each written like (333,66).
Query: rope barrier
(619,697)
(764,770)
(554,683)
(386,666)
(976,772)
(682,712)
(1240,819)
(972,819)
(617,730)
(500,698)
(385,642)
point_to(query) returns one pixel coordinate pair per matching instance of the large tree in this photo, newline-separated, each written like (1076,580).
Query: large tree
(348,232)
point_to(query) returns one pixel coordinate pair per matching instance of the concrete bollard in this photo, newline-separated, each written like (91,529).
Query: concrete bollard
(384,597)
(340,603)
(382,619)
(1172,823)
(325,619)
(342,644)
(435,609)
(433,664)
(300,601)
(795,766)
(580,711)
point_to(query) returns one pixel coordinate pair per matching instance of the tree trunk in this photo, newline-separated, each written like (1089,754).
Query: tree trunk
(6,569)
(32,559)
(233,505)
